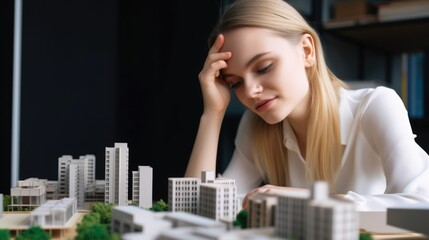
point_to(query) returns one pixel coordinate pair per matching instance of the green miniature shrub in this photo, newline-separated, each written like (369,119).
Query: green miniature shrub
(365,236)
(94,231)
(33,233)
(96,225)
(4,234)
(159,206)
(241,219)
(105,212)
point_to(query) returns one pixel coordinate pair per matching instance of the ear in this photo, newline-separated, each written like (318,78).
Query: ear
(308,49)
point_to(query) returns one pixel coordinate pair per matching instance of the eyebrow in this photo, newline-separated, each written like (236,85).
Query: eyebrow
(252,60)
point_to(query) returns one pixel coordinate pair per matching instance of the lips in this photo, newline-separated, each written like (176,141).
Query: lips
(263,105)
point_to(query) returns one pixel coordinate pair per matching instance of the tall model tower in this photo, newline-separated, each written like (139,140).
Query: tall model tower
(116,174)
(76,176)
(142,187)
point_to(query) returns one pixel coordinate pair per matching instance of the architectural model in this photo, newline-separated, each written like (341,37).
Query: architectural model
(30,193)
(116,174)
(76,177)
(303,215)
(261,210)
(137,223)
(142,187)
(211,197)
(218,199)
(198,208)
(291,214)
(50,202)
(414,217)
(54,212)
(183,194)
(328,218)
(57,217)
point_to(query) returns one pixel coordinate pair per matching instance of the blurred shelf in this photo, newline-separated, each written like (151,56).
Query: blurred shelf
(391,37)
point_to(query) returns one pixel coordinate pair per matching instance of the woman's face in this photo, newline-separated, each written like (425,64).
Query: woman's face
(267,73)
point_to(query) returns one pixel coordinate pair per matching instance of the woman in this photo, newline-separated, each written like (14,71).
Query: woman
(302,124)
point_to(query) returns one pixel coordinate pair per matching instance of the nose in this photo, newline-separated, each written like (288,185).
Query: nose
(252,88)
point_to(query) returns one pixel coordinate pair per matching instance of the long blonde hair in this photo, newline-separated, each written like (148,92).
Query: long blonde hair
(324,151)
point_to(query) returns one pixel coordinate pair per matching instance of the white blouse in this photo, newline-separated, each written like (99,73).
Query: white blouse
(382,165)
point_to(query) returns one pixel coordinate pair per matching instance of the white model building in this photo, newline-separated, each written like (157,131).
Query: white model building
(54,212)
(96,192)
(30,193)
(291,214)
(329,218)
(76,185)
(143,186)
(186,226)
(261,210)
(207,176)
(133,222)
(218,200)
(63,174)
(300,215)
(116,174)
(87,176)
(52,190)
(127,219)
(267,233)
(76,176)
(413,217)
(183,194)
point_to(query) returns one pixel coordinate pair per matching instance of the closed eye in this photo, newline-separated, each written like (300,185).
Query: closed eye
(265,69)
(235,84)
(232,81)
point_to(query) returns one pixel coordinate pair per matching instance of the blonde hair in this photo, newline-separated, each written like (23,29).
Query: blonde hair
(324,151)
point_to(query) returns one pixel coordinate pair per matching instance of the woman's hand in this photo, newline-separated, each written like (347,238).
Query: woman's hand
(271,190)
(216,92)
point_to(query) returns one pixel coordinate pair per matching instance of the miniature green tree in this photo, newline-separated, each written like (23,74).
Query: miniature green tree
(241,219)
(88,220)
(365,236)
(96,225)
(105,211)
(93,232)
(4,234)
(159,206)
(115,236)
(33,233)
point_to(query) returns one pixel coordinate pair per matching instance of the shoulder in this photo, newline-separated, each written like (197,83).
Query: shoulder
(378,97)
(377,106)
(384,99)
(359,95)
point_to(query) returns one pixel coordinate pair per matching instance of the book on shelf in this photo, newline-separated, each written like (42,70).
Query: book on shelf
(403,10)
(411,86)
(415,84)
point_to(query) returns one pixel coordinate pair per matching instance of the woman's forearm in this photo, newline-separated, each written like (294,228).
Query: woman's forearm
(204,152)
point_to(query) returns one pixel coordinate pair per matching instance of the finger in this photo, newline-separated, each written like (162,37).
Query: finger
(245,200)
(213,69)
(217,59)
(244,203)
(217,44)
(250,194)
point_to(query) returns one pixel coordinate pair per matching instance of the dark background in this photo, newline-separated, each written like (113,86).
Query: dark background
(99,72)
